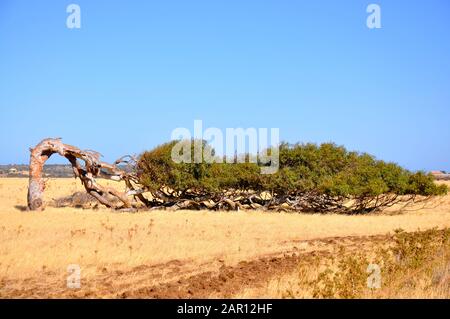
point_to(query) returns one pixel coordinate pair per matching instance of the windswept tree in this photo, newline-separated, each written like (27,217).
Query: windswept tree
(325,178)
(311,178)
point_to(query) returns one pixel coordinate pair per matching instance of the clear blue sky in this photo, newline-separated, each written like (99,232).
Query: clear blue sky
(138,69)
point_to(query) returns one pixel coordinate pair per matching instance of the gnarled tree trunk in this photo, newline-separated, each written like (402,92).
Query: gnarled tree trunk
(92,168)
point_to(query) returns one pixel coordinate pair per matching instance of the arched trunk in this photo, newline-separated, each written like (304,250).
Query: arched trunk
(93,168)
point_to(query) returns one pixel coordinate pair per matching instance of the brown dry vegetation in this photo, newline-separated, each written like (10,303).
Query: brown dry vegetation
(187,253)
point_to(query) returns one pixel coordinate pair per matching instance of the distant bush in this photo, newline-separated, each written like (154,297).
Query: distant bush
(321,178)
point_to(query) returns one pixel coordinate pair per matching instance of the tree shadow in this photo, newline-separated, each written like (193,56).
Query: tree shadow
(22,208)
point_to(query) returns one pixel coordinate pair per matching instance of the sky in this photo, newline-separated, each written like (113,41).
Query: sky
(136,70)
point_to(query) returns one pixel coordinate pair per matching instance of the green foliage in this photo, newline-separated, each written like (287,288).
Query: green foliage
(325,170)
(423,184)
(157,169)
(332,170)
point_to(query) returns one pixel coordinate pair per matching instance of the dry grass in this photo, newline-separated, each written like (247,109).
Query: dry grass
(37,245)
(411,265)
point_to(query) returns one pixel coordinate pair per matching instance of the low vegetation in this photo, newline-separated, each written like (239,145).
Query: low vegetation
(416,260)
(404,265)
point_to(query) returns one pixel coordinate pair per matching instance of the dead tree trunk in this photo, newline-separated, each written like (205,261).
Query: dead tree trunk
(87,173)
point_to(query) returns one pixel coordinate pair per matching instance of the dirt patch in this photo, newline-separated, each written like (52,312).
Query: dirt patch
(229,280)
(178,279)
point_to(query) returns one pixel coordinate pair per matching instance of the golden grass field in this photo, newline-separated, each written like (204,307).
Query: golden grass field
(174,254)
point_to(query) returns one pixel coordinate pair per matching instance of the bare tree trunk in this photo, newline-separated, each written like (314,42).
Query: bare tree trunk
(39,155)
(92,168)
